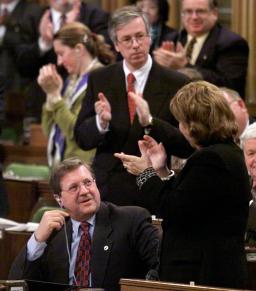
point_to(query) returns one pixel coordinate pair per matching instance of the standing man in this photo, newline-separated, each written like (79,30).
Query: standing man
(33,54)
(118,242)
(108,119)
(205,49)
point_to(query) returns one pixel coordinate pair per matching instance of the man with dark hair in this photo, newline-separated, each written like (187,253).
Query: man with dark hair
(118,242)
(211,50)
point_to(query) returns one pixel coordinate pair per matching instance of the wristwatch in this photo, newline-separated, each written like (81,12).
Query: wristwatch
(148,128)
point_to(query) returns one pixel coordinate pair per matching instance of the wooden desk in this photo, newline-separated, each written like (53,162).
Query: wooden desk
(22,197)
(143,285)
(25,154)
(10,245)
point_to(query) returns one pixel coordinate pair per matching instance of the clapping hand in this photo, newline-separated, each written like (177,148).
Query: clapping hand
(152,155)
(103,110)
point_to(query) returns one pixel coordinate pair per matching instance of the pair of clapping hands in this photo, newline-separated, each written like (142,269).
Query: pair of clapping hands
(153,155)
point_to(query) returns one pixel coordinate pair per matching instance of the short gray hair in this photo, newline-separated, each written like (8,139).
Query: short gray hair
(123,16)
(249,133)
(234,95)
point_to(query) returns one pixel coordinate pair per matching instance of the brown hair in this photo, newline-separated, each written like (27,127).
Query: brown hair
(74,33)
(64,167)
(202,107)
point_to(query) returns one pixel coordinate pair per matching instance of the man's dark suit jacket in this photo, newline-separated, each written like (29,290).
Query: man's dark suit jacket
(204,210)
(24,12)
(116,185)
(223,58)
(124,245)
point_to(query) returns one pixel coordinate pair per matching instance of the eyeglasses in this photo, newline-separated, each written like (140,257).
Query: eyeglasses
(75,188)
(198,12)
(128,40)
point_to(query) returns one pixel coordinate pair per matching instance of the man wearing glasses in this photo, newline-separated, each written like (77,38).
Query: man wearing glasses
(205,49)
(108,119)
(88,243)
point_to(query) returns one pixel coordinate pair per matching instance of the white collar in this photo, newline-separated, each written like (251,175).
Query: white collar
(10,6)
(141,71)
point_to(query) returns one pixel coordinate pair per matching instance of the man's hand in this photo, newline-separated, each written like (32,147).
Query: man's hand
(142,109)
(46,28)
(103,110)
(173,58)
(73,14)
(51,220)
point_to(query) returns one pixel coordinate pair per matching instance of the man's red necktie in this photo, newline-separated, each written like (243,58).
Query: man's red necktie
(82,267)
(130,88)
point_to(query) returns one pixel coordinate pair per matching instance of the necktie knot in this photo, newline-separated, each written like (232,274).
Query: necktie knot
(130,82)
(84,226)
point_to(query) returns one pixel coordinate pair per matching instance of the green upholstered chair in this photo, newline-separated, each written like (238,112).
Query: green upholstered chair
(40,211)
(34,172)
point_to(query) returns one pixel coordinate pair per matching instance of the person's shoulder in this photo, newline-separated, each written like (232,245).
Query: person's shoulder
(169,74)
(227,36)
(125,211)
(106,70)
(92,9)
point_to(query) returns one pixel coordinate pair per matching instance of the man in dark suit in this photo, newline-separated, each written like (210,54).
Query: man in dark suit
(105,123)
(218,55)
(124,243)
(13,16)
(32,54)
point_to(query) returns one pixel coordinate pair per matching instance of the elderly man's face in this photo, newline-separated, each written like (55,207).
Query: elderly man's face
(197,17)
(62,6)
(250,157)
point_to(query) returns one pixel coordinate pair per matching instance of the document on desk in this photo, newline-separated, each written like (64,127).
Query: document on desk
(11,225)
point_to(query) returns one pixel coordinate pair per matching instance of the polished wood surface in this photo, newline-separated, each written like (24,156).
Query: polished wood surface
(143,285)
(27,154)
(22,197)
(10,245)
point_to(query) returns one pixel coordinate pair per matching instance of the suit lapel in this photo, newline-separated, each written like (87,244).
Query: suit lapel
(101,246)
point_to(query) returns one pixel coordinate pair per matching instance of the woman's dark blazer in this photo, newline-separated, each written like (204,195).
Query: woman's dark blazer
(205,211)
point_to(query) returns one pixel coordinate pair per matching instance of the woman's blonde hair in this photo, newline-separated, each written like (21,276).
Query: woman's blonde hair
(202,107)
(76,32)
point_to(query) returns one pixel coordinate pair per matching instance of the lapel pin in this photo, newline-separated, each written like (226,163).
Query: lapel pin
(205,57)
(105,248)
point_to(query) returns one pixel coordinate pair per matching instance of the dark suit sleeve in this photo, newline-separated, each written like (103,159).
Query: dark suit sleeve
(146,239)
(86,132)
(173,140)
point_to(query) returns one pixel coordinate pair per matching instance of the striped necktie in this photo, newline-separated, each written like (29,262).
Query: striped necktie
(190,47)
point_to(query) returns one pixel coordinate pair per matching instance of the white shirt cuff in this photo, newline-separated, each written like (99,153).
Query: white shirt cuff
(101,130)
(43,46)
(35,249)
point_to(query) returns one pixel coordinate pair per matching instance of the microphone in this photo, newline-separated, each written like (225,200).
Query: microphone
(152,274)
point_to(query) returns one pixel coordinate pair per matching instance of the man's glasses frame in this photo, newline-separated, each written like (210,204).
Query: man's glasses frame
(127,41)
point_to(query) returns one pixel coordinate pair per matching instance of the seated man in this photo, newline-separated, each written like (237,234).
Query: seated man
(206,47)
(118,242)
